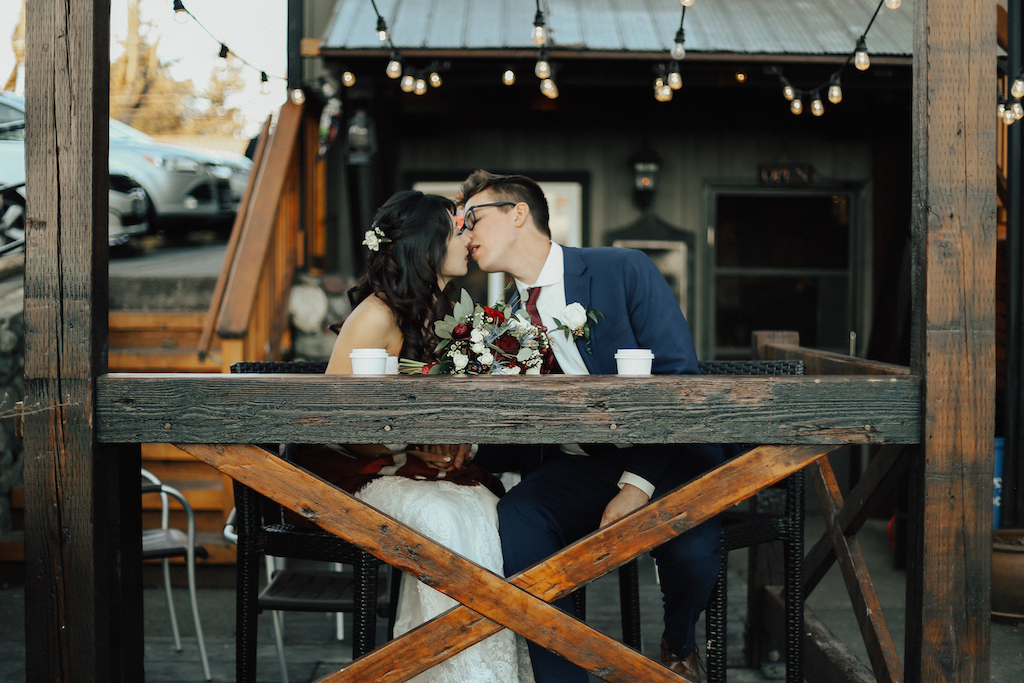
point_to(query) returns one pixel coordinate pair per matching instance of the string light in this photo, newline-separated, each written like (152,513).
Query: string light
(1017,89)
(297,96)
(741,77)
(180,13)
(787,90)
(893,4)
(679,49)
(662,92)
(835,92)
(435,79)
(382,29)
(675,80)
(394,69)
(509,77)
(861,60)
(420,87)
(549,89)
(817,108)
(796,106)
(408,83)
(686,3)
(1008,116)
(540,34)
(543,69)
(348,79)
(1018,110)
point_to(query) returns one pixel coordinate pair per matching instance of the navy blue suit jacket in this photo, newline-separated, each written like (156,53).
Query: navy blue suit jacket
(640,311)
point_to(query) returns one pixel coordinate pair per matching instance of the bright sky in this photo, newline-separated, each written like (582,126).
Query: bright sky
(255,30)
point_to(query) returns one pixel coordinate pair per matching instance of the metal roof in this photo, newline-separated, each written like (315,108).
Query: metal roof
(797,27)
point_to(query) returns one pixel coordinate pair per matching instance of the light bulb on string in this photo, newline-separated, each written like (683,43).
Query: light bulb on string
(663,93)
(679,49)
(420,87)
(1008,116)
(509,77)
(1018,110)
(787,90)
(1017,89)
(893,4)
(180,13)
(382,29)
(835,91)
(686,3)
(435,79)
(817,108)
(861,60)
(543,69)
(741,77)
(1000,109)
(348,79)
(549,89)
(796,106)
(297,96)
(408,83)
(264,83)
(394,69)
(540,34)
(675,80)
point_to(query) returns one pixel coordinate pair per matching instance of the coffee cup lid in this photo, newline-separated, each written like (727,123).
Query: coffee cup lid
(634,353)
(368,353)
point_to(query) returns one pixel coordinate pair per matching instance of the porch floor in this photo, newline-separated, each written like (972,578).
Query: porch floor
(312,651)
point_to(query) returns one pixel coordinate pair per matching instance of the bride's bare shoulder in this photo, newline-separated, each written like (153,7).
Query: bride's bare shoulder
(372,313)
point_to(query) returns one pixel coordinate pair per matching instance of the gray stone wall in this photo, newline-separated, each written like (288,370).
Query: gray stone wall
(12,389)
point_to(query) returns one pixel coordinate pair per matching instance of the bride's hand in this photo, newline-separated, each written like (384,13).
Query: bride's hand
(445,457)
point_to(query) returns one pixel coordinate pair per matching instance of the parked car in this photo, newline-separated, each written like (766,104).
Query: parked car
(182,187)
(127,213)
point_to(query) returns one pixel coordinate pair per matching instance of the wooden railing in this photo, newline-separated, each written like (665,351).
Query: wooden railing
(279,227)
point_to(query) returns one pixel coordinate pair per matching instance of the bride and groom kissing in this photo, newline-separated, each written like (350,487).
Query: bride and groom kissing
(418,244)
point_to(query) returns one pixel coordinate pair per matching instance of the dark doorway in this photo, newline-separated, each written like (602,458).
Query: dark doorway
(782,261)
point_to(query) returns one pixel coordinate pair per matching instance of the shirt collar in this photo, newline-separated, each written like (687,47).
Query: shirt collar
(552,273)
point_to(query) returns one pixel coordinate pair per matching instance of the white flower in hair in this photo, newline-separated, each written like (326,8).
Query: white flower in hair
(373,238)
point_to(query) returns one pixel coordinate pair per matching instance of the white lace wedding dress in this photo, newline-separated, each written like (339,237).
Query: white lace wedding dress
(464,519)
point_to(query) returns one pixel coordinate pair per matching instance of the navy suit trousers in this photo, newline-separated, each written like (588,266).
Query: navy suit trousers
(563,500)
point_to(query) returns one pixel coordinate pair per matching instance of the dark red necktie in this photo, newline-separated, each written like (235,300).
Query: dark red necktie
(550,363)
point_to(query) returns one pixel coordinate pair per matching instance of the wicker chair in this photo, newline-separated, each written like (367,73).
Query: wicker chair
(739,530)
(263,531)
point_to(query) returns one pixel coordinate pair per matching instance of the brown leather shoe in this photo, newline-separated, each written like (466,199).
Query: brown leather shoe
(687,668)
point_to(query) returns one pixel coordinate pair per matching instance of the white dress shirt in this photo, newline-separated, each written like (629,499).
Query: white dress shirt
(550,304)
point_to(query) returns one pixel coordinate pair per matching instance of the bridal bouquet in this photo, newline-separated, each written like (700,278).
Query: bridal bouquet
(484,340)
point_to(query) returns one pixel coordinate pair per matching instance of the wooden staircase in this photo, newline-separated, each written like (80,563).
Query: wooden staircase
(246,320)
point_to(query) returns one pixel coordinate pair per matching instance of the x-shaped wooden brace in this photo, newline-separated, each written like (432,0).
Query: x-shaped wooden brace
(489,602)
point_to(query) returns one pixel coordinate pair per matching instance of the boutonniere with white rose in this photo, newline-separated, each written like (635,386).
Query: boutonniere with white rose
(576,321)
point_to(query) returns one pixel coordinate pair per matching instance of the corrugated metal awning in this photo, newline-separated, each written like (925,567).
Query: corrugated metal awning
(772,27)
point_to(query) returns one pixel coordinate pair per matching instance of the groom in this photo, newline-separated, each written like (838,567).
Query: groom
(591,485)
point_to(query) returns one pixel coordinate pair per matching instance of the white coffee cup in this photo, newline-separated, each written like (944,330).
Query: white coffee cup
(368,361)
(634,361)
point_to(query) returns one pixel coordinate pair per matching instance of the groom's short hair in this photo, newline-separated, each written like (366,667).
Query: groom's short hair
(512,188)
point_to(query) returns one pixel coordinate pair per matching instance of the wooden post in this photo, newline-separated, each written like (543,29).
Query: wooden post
(953,225)
(82,622)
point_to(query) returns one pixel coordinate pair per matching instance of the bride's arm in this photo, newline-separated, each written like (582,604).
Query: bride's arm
(370,326)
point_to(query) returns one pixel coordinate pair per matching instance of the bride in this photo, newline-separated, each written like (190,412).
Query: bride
(417,247)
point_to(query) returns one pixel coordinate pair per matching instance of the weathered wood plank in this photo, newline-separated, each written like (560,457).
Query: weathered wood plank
(953,228)
(866,607)
(585,560)
(81,592)
(826,658)
(818,362)
(539,409)
(875,484)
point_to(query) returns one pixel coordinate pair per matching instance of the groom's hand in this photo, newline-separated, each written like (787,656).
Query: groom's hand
(625,501)
(445,457)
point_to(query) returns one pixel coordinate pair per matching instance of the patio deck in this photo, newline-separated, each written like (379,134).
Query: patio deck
(321,654)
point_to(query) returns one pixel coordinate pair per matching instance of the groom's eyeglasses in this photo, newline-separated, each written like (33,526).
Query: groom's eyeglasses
(469,219)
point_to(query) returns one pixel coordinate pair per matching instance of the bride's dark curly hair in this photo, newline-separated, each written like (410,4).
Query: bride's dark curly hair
(403,272)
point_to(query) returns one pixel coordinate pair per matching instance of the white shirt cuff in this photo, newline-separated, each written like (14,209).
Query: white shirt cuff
(637,481)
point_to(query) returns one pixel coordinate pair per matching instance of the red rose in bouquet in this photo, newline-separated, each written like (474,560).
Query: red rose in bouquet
(497,316)
(508,344)
(462,331)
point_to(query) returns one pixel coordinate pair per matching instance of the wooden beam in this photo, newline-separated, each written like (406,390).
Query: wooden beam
(826,658)
(953,339)
(208,408)
(875,484)
(866,607)
(82,566)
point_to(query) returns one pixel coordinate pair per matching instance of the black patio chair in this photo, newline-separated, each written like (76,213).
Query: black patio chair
(262,531)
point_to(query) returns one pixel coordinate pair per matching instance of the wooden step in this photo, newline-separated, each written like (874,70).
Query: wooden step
(161,329)
(142,359)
